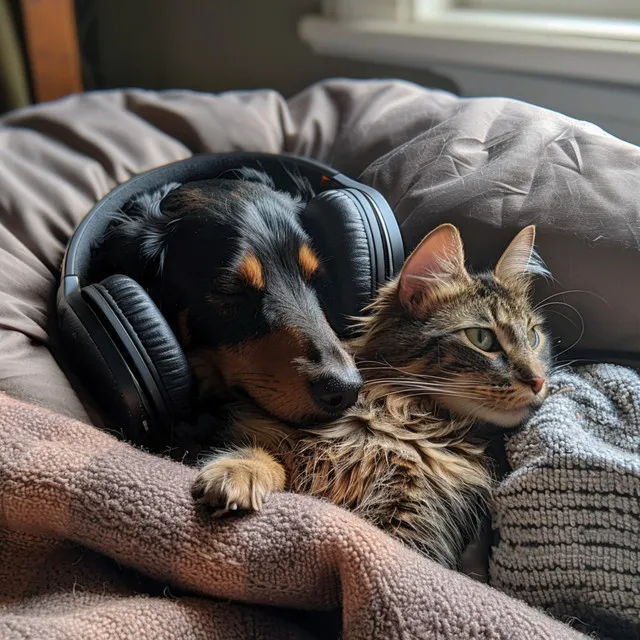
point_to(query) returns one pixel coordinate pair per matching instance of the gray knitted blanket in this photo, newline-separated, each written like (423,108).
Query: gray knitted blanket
(568,516)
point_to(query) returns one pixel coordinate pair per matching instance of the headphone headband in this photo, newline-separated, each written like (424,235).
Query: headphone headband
(207,166)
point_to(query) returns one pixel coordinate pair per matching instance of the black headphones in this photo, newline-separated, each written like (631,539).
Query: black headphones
(122,345)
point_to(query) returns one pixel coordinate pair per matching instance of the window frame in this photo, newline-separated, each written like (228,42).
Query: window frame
(613,9)
(419,10)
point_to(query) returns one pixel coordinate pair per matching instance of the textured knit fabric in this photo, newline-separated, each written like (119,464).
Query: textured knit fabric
(569,514)
(68,490)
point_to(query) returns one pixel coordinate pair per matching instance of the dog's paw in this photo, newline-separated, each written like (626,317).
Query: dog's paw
(238,482)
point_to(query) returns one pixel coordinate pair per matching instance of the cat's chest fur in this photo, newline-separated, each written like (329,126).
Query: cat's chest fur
(407,472)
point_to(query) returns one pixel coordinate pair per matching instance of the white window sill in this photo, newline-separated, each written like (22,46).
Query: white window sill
(600,50)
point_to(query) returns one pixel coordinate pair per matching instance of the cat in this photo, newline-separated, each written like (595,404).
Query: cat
(442,352)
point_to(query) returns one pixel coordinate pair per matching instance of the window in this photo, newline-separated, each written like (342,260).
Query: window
(418,10)
(596,40)
(580,57)
(625,9)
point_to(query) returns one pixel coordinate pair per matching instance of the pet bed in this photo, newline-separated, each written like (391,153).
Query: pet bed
(97,535)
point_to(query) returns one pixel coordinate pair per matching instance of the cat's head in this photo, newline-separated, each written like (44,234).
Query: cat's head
(472,342)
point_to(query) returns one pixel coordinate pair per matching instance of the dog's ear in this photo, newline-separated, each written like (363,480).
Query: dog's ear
(254,175)
(304,190)
(135,242)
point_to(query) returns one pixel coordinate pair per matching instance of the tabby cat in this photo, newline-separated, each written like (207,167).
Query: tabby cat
(442,351)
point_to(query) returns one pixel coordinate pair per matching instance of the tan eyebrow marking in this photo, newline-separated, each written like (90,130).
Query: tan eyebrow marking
(308,260)
(250,270)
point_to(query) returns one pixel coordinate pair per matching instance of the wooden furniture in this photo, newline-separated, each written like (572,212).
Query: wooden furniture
(53,53)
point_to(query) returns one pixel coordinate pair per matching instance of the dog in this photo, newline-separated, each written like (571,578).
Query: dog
(233,271)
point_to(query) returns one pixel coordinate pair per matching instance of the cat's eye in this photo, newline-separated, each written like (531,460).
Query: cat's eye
(483,339)
(534,338)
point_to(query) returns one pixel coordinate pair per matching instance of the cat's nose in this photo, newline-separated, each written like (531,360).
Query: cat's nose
(536,384)
(334,393)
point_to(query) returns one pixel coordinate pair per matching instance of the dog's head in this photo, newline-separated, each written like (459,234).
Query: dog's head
(237,274)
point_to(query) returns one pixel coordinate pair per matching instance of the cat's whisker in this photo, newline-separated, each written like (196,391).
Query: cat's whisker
(566,365)
(558,302)
(467,384)
(419,383)
(418,376)
(562,315)
(566,304)
(430,390)
(427,380)
(408,384)
(562,293)
(426,376)
(561,304)
(418,395)
(400,369)
(476,414)
(582,330)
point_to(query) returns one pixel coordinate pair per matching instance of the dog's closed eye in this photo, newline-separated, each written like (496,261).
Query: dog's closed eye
(242,282)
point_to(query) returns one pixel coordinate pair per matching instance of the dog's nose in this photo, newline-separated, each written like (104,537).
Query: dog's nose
(336,393)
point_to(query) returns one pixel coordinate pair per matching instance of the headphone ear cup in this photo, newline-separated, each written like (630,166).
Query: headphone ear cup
(91,359)
(340,235)
(159,361)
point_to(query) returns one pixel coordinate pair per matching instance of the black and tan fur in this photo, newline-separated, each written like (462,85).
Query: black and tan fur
(235,274)
(408,456)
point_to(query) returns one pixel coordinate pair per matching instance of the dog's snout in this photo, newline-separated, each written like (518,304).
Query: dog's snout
(334,393)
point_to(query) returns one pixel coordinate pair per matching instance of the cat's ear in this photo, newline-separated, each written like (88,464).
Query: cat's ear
(437,258)
(518,258)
